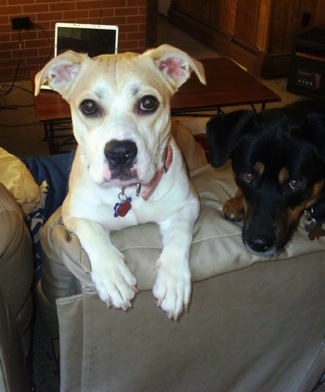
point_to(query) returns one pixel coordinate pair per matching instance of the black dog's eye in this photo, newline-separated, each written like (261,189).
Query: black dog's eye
(247,176)
(89,107)
(295,183)
(148,104)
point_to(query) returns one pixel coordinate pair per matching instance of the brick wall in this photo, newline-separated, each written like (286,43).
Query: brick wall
(37,42)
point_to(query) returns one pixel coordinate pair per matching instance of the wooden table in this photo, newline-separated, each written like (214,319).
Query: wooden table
(227,85)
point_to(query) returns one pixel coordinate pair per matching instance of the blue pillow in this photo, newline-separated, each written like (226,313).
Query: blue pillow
(54,170)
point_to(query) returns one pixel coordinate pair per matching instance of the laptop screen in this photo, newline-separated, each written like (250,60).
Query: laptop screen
(85,38)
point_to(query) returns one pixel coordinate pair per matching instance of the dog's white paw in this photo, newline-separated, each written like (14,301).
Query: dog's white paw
(172,290)
(115,284)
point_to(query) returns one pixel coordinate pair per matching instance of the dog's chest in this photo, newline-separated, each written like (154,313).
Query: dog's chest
(124,208)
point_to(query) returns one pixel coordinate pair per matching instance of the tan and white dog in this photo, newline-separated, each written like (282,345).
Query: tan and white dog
(128,168)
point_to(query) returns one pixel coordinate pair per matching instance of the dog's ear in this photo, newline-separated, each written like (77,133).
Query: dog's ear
(176,65)
(60,71)
(313,130)
(223,134)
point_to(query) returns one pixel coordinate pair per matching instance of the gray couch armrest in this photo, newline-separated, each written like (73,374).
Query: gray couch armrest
(216,248)
(16,263)
(13,369)
(253,324)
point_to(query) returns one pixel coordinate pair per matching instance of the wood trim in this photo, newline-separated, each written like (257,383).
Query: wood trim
(254,58)
(213,38)
(263,31)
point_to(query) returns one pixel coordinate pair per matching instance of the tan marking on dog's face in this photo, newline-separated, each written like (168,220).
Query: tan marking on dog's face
(317,190)
(259,168)
(283,175)
(295,213)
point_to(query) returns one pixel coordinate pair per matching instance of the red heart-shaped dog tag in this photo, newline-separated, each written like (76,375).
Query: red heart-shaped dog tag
(123,208)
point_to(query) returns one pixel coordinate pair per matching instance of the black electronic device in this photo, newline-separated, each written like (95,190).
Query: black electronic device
(307,64)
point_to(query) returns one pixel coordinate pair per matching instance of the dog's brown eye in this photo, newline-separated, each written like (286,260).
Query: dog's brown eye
(295,183)
(247,176)
(89,107)
(148,104)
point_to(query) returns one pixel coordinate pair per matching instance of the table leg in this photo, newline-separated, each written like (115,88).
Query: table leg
(59,135)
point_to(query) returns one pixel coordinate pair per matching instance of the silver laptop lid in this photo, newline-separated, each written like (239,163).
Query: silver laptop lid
(85,38)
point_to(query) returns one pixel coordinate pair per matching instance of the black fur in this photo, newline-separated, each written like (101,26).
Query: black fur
(278,155)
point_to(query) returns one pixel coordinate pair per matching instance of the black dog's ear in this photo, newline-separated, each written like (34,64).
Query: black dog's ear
(314,132)
(223,134)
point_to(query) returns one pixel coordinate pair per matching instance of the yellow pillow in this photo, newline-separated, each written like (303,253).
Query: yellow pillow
(15,176)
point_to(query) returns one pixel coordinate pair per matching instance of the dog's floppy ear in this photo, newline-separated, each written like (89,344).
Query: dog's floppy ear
(60,71)
(314,131)
(223,134)
(175,65)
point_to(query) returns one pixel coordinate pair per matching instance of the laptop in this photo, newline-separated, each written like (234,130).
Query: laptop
(85,38)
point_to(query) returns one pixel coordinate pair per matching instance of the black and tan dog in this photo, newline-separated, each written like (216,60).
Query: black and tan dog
(278,159)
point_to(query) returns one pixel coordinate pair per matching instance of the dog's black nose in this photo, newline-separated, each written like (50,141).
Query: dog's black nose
(120,153)
(260,244)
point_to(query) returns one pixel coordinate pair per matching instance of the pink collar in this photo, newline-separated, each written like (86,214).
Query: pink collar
(152,185)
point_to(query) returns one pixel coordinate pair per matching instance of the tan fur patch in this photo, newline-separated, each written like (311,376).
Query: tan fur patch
(295,213)
(283,175)
(259,168)
(317,189)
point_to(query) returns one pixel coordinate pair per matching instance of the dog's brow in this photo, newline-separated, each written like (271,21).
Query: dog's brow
(259,168)
(99,93)
(135,90)
(283,175)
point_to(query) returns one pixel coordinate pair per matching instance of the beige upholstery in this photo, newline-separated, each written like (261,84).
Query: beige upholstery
(16,310)
(15,176)
(253,325)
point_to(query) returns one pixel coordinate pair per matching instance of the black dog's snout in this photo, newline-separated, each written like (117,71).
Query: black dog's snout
(260,244)
(120,153)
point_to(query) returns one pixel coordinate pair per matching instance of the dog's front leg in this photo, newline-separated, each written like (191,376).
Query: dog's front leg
(114,282)
(172,288)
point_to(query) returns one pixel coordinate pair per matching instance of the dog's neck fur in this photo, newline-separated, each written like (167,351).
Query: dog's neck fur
(167,162)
